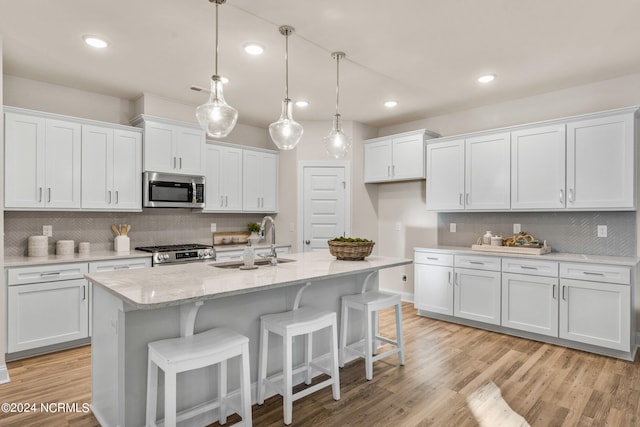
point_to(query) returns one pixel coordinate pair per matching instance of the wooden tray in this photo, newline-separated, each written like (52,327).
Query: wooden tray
(512,249)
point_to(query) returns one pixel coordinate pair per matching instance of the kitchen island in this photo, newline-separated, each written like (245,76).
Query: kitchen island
(133,308)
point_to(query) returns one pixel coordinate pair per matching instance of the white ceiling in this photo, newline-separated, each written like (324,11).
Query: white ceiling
(426,54)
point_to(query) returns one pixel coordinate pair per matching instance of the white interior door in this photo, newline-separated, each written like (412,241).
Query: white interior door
(324,210)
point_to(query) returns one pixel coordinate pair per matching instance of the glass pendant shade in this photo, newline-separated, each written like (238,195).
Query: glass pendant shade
(337,143)
(215,116)
(286,132)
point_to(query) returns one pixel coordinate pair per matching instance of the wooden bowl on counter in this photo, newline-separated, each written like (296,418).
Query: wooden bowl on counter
(350,251)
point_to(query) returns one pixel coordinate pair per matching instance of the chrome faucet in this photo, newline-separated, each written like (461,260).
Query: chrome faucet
(272,256)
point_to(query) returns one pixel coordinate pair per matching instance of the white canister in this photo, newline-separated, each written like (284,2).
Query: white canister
(486,238)
(38,246)
(84,248)
(121,244)
(496,241)
(65,247)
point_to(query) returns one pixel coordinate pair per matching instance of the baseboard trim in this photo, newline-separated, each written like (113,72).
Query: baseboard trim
(405,296)
(4,374)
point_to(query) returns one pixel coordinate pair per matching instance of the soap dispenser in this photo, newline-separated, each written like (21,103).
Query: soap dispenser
(248,256)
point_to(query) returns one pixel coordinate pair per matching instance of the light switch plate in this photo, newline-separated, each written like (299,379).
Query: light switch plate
(47,230)
(213,227)
(452,227)
(516,228)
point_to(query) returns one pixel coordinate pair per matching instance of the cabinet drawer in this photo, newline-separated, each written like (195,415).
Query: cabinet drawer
(596,273)
(530,267)
(477,262)
(121,264)
(433,258)
(46,273)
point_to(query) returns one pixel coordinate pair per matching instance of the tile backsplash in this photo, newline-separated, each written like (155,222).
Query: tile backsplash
(149,227)
(573,232)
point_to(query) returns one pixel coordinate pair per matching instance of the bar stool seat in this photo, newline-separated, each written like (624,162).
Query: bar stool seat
(300,321)
(175,355)
(370,303)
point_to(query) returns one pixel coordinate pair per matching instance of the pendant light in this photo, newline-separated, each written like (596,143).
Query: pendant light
(215,116)
(286,132)
(337,143)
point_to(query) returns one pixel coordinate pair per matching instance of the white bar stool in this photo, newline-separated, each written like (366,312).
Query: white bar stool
(300,321)
(370,303)
(176,355)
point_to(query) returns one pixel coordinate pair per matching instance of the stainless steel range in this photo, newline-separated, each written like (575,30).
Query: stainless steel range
(172,254)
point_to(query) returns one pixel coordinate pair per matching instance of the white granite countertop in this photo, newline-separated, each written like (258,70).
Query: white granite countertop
(178,284)
(25,261)
(551,256)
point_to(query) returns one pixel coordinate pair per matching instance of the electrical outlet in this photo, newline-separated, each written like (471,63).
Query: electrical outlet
(398,226)
(47,230)
(452,227)
(404,278)
(602,231)
(516,228)
(213,227)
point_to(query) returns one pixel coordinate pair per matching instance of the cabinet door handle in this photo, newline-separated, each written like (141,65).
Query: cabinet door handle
(561,195)
(393,170)
(49,197)
(456,279)
(39,194)
(52,274)
(528,267)
(563,293)
(553,292)
(593,273)
(120,267)
(180,162)
(449,280)
(109,194)
(226,201)
(174,162)
(571,195)
(117,198)
(84,293)
(221,201)
(476,262)
(388,170)
(460,201)
(432,258)
(467,199)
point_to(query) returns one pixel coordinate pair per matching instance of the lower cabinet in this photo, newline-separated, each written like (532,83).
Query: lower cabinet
(586,304)
(51,308)
(49,305)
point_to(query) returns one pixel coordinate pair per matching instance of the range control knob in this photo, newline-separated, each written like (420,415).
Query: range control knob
(158,258)
(205,252)
(201,254)
(165,257)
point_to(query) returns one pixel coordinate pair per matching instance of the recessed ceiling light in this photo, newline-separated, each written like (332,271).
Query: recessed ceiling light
(302,104)
(486,78)
(96,42)
(390,104)
(253,48)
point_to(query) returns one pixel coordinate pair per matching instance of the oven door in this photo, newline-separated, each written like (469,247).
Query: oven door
(173,191)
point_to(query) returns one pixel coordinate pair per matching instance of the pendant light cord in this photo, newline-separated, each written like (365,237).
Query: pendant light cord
(216,55)
(338,56)
(286,66)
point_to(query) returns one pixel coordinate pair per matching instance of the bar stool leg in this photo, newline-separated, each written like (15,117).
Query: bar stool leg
(344,319)
(287,373)
(368,345)
(245,388)
(170,397)
(262,363)
(335,373)
(222,390)
(152,393)
(308,356)
(399,338)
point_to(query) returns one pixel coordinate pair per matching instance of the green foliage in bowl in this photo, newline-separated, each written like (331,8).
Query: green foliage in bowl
(253,227)
(350,240)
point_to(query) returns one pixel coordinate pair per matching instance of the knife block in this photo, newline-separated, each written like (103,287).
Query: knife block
(121,244)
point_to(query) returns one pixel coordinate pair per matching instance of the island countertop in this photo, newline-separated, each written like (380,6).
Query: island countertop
(178,284)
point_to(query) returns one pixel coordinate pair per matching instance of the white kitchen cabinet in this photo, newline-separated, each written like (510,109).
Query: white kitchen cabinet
(538,168)
(259,181)
(398,157)
(476,294)
(601,162)
(530,296)
(433,288)
(223,172)
(487,172)
(46,305)
(469,174)
(111,168)
(597,310)
(119,264)
(445,176)
(171,146)
(42,162)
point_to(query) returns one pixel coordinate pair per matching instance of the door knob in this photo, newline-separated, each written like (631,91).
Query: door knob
(308,242)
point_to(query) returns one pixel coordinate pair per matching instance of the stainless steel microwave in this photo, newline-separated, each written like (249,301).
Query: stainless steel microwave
(164,190)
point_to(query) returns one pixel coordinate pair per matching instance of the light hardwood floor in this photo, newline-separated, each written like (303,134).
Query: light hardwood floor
(445,363)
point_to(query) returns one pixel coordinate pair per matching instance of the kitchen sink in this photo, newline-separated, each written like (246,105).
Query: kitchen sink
(258,262)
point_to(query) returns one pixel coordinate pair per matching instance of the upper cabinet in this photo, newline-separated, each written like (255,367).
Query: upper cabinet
(579,163)
(396,157)
(259,181)
(171,146)
(240,179)
(111,168)
(42,162)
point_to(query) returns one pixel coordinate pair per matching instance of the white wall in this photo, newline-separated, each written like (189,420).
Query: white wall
(404,203)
